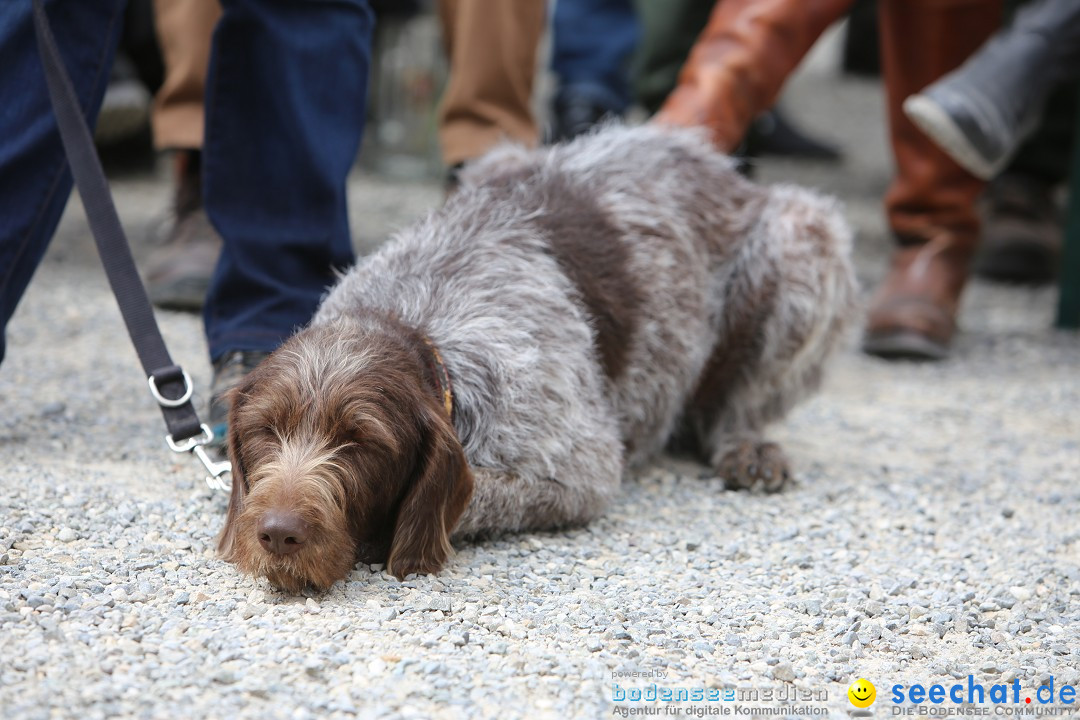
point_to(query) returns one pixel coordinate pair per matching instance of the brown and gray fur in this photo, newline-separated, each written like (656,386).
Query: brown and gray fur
(593,302)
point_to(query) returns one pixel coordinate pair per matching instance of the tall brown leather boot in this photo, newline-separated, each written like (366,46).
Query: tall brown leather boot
(931,203)
(741,60)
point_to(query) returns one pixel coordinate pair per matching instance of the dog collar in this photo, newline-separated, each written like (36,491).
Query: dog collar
(441,376)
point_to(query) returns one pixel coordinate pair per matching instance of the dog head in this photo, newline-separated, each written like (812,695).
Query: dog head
(341,452)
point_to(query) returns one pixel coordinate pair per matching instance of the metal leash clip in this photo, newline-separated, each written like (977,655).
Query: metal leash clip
(218,478)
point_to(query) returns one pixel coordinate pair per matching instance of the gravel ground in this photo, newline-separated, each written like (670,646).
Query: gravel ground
(931,534)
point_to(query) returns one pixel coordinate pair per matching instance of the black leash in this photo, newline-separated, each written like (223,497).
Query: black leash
(169,384)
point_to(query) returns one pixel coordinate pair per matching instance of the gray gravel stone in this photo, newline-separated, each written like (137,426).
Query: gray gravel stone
(784,672)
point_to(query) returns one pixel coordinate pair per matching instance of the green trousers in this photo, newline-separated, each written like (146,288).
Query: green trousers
(668,31)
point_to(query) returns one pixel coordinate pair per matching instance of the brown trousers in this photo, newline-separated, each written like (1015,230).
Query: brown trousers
(185,28)
(492,47)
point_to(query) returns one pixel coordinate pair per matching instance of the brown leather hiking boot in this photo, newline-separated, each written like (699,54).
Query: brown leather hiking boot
(913,314)
(1022,232)
(178,272)
(229,371)
(741,60)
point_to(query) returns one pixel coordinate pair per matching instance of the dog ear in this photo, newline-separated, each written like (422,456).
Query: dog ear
(438,494)
(227,538)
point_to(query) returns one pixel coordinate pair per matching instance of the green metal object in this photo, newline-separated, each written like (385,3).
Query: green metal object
(1069,301)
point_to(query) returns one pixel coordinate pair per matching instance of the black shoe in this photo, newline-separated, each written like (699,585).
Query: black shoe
(178,272)
(575,116)
(453,179)
(773,134)
(229,370)
(125,110)
(1021,232)
(977,133)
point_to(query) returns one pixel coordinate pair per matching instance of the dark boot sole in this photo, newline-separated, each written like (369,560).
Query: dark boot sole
(933,120)
(904,345)
(183,294)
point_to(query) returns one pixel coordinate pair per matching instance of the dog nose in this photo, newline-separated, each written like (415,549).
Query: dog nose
(282,532)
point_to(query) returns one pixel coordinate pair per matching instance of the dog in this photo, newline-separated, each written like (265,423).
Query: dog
(568,314)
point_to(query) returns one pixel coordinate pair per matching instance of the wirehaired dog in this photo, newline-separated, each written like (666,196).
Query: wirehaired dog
(566,314)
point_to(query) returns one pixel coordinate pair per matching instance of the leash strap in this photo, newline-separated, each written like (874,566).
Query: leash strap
(169,384)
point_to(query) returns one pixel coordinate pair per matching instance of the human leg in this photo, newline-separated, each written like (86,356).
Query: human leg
(35,181)
(285,112)
(492,49)
(178,272)
(931,202)
(592,41)
(983,110)
(740,62)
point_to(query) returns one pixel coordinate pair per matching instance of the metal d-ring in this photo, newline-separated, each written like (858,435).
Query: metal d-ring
(189,388)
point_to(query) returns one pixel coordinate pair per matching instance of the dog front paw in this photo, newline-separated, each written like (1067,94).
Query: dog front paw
(750,464)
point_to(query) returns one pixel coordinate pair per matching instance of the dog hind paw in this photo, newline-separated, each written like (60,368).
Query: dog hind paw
(750,464)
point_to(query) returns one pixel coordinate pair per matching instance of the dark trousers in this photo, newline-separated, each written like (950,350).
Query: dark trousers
(1046,155)
(591,45)
(285,101)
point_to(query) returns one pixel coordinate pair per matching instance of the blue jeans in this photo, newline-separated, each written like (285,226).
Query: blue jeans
(592,41)
(285,105)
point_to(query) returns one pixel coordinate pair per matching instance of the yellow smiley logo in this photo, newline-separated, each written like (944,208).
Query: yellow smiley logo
(862,693)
